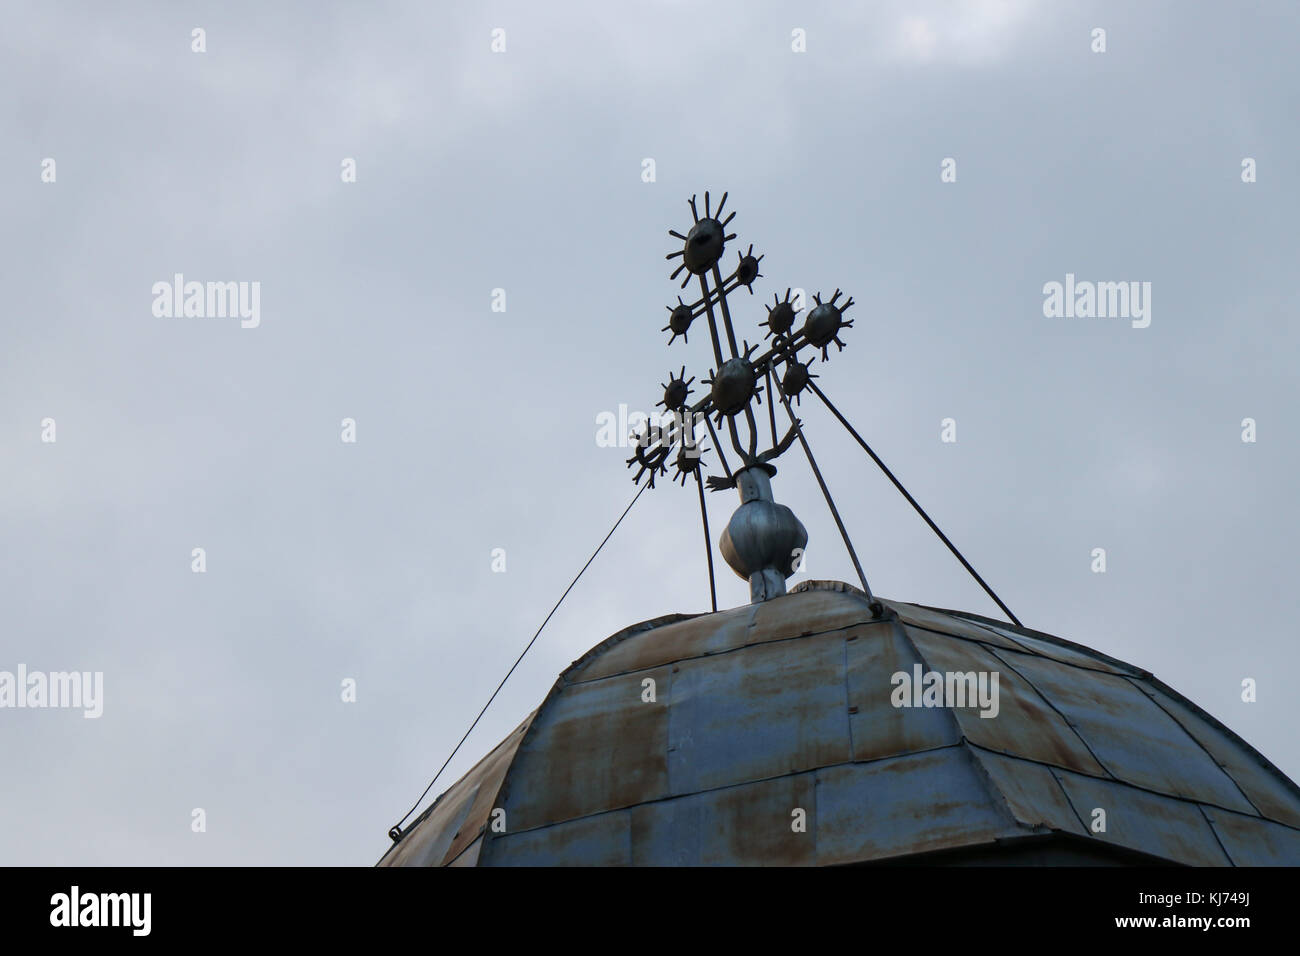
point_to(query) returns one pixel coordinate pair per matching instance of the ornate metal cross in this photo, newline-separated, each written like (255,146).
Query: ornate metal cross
(763,541)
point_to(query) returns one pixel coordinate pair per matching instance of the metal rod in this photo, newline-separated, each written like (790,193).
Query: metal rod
(753,430)
(876,608)
(731,284)
(713,324)
(722,459)
(726,313)
(735,439)
(912,501)
(708,542)
(771,407)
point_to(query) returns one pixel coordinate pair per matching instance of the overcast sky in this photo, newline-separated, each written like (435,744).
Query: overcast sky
(523,170)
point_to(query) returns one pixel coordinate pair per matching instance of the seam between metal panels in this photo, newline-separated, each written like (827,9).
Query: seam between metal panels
(1231,734)
(668,737)
(619,637)
(1043,697)
(901,630)
(424,814)
(730,786)
(729,650)
(817,818)
(1128,671)
(468,846)
(1023,649)
(1061,642)
(486,828)
(1197,802)
(1065,795)
(999,797)
(502,789)
(964,637)
(1179,724)
(561,682)
(1137,675)
(1217,838)
(848,696)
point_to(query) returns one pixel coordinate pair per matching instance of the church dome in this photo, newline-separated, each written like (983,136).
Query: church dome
(800,730)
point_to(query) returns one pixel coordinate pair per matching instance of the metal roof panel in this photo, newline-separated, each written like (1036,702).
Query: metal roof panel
(905,805)
(1025,725)
(1134,739)
(763,711)
(1149,822)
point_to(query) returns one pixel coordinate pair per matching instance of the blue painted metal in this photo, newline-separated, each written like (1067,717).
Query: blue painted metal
(768,735)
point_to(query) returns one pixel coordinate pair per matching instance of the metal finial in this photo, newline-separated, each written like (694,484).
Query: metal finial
(734,388)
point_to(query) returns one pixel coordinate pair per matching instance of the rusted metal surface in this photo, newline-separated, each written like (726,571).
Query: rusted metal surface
(762,711)
(947,624)
(1135,740)
(1268,790)
(750,825)
(873,654)
(1064,654)
(468,856)
(1031,792)
(782,712)
(795,614)
(601,840)
(706,634)
(905,805)
(1025,726)
(1250,841)
(808,612)
(1149,822)
(595,746)
(443,832)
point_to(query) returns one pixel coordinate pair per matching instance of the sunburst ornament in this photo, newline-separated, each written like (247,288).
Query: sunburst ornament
(823,325)
(703,244)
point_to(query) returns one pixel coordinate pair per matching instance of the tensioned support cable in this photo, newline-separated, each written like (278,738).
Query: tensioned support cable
(396,834)
(912,501)
(876,608)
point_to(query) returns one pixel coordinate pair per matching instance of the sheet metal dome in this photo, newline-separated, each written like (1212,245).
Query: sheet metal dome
(775,710)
